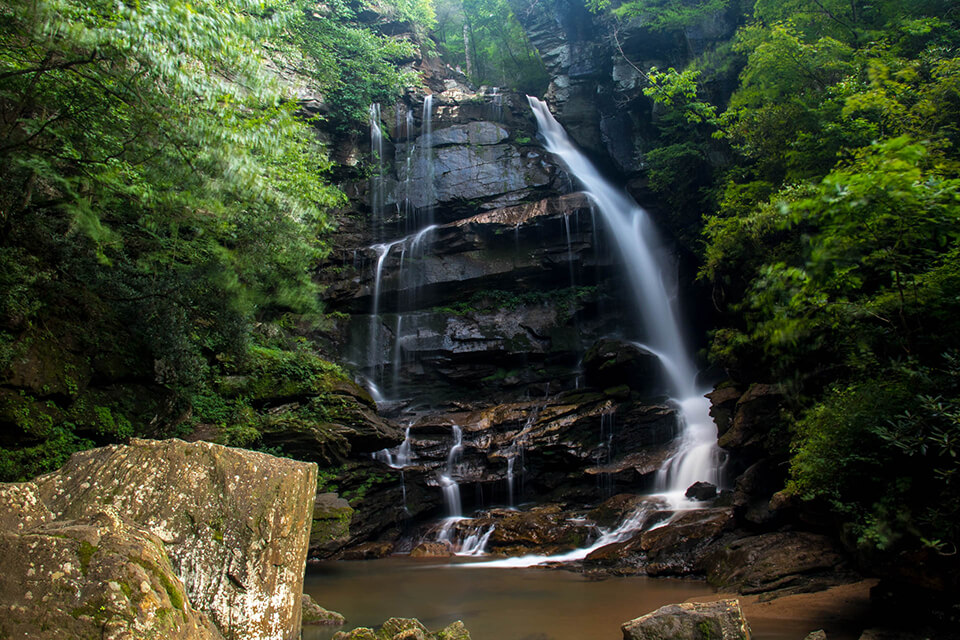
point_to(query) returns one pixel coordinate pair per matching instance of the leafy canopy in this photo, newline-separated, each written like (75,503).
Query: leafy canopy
(160,194)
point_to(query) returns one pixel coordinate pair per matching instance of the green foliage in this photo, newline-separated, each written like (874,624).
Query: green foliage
(159,197)
(678,90)
(664,15)
(892,472)
(355,66)
(496,44)
(419,13)
(835,250)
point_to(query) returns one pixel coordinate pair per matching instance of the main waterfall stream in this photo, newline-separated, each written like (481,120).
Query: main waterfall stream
(697,457)
(632,231)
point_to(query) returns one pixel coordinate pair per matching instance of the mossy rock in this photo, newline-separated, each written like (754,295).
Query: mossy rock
(331,523)
(313,614)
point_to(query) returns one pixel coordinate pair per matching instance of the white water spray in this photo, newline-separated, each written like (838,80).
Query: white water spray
(636,240)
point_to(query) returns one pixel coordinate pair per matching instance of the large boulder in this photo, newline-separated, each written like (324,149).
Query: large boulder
(314,614)
(720,620)
(231,525)
(756,414)
(675,548)
(781,562)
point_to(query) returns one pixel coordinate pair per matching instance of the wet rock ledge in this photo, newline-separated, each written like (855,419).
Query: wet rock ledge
(157,539)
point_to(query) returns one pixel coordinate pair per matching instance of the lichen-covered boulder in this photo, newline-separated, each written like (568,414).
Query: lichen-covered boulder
(405,629)
(453,631)
(233,526)
(314,614)
(94,578)
(720,620)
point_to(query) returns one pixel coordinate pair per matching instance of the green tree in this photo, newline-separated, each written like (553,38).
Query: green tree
(499,50)
(161,195)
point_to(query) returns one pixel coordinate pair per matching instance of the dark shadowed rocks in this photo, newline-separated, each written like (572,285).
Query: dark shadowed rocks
(781,562)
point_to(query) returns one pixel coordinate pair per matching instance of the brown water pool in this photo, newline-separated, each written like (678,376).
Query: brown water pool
(500,604)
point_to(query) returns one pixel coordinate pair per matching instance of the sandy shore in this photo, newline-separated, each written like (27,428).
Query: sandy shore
(842,612)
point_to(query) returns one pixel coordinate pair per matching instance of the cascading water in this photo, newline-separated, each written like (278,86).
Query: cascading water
(399,458)
(633,234)
(451,490)
(633,523)
(404,131)
(605,453)
(377,190)
(426,157)
(411,245)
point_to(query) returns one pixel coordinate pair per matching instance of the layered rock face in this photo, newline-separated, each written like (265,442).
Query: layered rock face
(158,539)
(475,281)
(596,64)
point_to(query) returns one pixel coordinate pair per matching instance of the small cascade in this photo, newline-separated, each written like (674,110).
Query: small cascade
(404,194)
(605,453)
(632,232)
(475,544)
(639,520)
(377,183)
(409,282)
(496,104)
(449,486)
(410,246)
(382,250)
(399,457)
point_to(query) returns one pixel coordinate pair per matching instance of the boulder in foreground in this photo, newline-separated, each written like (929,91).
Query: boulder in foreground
(166,538)
(405,629)
(720,620)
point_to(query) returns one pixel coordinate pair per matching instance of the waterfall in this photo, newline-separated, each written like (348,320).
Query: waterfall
(404,131)
(377,193)
(605,453)
(451,490)
(373,349)
(399,458)
(635,238)
(411,246)
(426,156)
